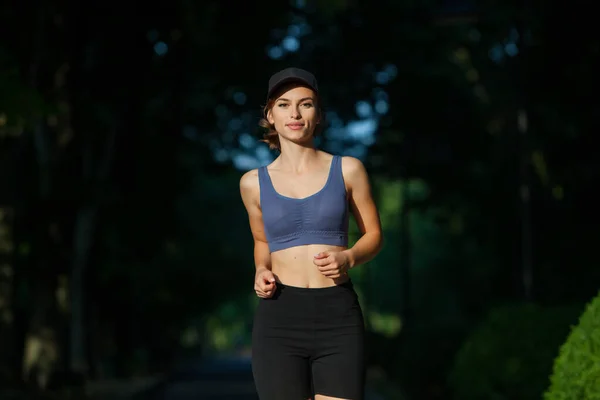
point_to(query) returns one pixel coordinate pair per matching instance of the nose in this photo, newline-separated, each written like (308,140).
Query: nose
(295,113)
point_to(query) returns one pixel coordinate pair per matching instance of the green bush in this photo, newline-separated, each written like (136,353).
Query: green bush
(510,354)
(576,374)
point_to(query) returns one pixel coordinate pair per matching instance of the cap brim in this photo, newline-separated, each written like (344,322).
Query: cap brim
(290,79)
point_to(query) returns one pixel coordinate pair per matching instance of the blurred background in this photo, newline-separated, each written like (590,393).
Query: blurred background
(126,265)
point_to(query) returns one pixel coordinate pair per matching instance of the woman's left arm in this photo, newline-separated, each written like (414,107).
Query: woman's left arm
(364,211)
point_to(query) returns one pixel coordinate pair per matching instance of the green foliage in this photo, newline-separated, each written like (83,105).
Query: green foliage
(576,373)
(417,360)
(510,354)
(20,105)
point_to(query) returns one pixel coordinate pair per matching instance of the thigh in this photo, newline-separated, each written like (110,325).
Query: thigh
(280,376)
(280,360)
(338,367)
(340,371)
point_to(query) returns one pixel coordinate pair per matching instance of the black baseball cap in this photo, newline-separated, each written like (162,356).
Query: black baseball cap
(290,75)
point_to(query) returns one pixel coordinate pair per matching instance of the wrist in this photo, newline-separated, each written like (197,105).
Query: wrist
(260,268)
(350,258)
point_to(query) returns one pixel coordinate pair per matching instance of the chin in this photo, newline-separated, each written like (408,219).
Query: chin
(301,140)
(298,137)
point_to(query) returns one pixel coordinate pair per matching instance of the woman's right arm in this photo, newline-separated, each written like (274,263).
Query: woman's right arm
(250,192)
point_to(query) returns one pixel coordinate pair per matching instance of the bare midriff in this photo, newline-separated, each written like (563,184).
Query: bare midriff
(295,267)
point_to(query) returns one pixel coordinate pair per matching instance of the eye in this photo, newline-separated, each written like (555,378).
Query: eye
(307,105)
(282,105)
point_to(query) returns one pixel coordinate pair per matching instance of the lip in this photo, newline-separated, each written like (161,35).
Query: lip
(295,126)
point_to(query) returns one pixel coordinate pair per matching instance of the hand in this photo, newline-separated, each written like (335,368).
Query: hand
(264,283)
(332,264)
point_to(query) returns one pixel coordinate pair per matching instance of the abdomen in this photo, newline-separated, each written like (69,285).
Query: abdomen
(294,266)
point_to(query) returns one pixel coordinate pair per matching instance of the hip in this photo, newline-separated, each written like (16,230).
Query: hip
(293,307)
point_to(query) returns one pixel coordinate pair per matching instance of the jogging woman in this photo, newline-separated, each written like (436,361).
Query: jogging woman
(308,331)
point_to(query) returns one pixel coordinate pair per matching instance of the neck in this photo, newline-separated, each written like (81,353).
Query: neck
(297,157)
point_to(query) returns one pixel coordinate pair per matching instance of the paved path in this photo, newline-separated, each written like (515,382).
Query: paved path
(217,379)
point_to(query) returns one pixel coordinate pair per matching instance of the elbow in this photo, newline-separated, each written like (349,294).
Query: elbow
(379,241)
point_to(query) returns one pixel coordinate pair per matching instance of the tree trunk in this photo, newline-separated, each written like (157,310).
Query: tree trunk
(82,240)
(7,329)
(405,250)
(522,122)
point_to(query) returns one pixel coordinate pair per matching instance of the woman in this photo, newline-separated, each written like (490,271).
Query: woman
(308,332)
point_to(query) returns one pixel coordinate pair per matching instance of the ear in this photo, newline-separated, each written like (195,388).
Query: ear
(270,117)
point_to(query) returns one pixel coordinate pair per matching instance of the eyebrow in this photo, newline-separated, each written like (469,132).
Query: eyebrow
(302,99)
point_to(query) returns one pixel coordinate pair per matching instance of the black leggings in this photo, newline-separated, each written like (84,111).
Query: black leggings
(307,342)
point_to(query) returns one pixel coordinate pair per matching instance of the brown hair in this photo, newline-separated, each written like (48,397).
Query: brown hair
(271,137)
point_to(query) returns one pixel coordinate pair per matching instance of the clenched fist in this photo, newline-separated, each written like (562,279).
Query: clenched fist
(332,264)
(264,283)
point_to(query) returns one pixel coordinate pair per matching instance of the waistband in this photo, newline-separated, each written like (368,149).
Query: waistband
(342,287)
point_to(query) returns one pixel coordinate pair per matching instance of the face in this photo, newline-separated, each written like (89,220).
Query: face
(295,114)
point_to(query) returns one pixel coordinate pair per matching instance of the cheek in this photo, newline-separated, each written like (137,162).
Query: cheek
(277,120)
(311,116)
(309,112)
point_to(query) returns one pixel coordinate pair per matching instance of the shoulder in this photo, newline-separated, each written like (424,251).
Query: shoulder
(352,166)
(249,180)
(355,174)
(250,187)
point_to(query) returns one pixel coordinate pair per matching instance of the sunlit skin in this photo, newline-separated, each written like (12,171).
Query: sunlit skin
(298,172)
(295,117)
